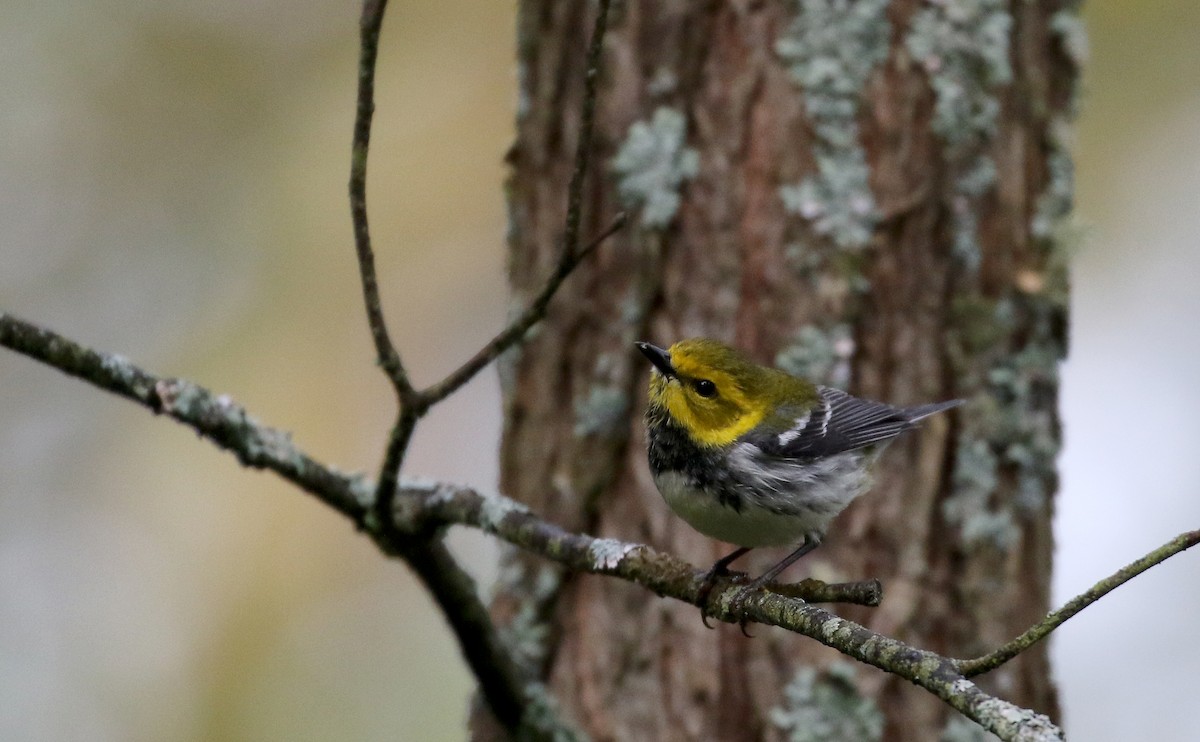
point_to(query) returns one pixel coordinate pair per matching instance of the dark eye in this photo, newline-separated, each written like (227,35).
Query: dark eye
(705,388)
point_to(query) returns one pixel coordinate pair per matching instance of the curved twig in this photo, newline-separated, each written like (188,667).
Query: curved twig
(515,331)
(388,357)
(414,404)
(570,256)
(990,661)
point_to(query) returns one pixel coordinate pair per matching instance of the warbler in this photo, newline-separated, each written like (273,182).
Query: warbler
(753,456)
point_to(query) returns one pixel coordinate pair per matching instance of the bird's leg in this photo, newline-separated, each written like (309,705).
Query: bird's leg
(717,571)
(811,541)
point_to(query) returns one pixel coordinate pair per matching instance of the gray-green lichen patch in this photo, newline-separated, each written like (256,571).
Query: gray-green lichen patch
(963,46)
(495,507)
(1026,431)
(827,707)
(820,355)
(604,411)
(1008,719)
(527,633)
(1053,227)
(836,278)
(181,398)
(973,182)
(837,201)
(362,489)
(117,365)
(507,365)
(831,48)
(607,553)
(544,719)
(1010,433)
(1054,204)
(653,163)
(527,636)
(1072,31)
(976,477)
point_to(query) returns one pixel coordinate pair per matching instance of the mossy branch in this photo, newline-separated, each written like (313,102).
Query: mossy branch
(421,510)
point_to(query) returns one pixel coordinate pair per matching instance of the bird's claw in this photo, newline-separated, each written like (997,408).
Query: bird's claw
(737,603)
(706,588)
(737,606)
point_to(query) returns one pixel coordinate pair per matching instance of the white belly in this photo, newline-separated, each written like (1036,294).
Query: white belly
(751,526)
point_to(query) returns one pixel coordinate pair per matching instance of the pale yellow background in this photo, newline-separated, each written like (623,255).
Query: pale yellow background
(172,187)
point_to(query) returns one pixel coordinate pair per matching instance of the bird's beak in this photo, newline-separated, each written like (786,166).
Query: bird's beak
(659,357)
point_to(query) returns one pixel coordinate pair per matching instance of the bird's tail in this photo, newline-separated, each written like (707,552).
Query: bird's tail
(913,414)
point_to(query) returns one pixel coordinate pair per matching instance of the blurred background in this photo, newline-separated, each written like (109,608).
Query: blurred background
(172,188)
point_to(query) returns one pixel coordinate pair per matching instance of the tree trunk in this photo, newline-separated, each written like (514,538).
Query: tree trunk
(865,192)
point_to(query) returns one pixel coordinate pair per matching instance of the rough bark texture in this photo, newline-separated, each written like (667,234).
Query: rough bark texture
(865,192)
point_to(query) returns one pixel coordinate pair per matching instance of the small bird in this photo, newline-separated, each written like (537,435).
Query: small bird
(753,456)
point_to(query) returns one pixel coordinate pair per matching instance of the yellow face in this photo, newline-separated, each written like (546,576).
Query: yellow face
(709,392)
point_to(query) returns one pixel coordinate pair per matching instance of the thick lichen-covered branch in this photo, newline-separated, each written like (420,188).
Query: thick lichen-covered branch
(423,506)
(667,576)
(226,424)
(421,510)
(216,418)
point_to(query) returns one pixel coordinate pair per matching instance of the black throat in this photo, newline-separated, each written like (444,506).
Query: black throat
(669,449)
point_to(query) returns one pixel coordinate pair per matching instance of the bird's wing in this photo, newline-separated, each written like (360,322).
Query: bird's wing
(838,422)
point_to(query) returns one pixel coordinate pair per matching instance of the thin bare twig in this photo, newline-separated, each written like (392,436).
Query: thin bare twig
(389,471)
(498,676)
(863,592)
(492,664)
(515,331)
(414,404)
(569,256)
(992,660)
(420,402)
(583,147)
(387,355)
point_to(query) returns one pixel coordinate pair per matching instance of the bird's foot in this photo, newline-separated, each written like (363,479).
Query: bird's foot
(737,604)
(711,577)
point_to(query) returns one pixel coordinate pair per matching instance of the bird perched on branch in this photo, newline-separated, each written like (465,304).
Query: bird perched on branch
(753,456)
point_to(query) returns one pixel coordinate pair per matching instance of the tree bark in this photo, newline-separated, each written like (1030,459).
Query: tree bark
(869,193)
